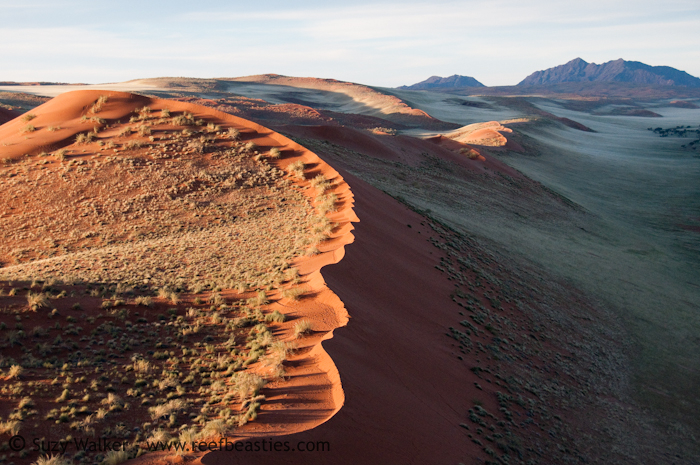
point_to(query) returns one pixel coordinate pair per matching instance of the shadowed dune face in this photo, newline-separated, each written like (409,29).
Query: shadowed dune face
(8,115)
(537,218)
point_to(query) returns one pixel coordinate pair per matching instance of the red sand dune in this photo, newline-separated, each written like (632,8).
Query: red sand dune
(384,105)
(406,149)
(290,113)
(314,382)
(489,134)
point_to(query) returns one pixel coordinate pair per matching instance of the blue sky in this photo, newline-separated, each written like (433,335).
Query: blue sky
(378,43)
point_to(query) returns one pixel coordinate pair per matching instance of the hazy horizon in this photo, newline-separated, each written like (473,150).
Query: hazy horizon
(379,43)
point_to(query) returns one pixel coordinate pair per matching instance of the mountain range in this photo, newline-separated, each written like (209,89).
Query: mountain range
(437,82)
(578,70)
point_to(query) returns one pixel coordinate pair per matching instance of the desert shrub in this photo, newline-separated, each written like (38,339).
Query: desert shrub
(99,103)
(61,154)
(144,130)
(52,128)
(302,328)
(133,144)
(247,385)
(15,372)
(115,457)
(297,169)
(310,252)
(275,316)
(159,435)
(52,460)
(275,153)
(250,146)
(145,301)
(326,203)
(142,366)
(37,300)
(64,396)
(84,138)
(164,410)
(144,113)
(252,410)
(165,113)
(126,131)
(185,119)
(211,127)
(216,299)
(28,117)
(25,402)
(28,128)
(234,133)
(112,400)
(293,293)
(10,427)
(260,299)
(216,428)
(319,179)
(187,436)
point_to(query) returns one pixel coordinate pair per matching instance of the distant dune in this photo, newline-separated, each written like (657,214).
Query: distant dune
(383,105)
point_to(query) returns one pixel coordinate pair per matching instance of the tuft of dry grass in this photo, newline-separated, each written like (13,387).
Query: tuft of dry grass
(302,328)
(15,372)
(247,385)
(27,129)
(145,301)
(293,293)
(276,317)
(142,366)
(11,427)
(61,154)
(28,117)
(297,169)
(52,460)
(85,138)
(37,300)
(99,103)
(133,144)
(115,457)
